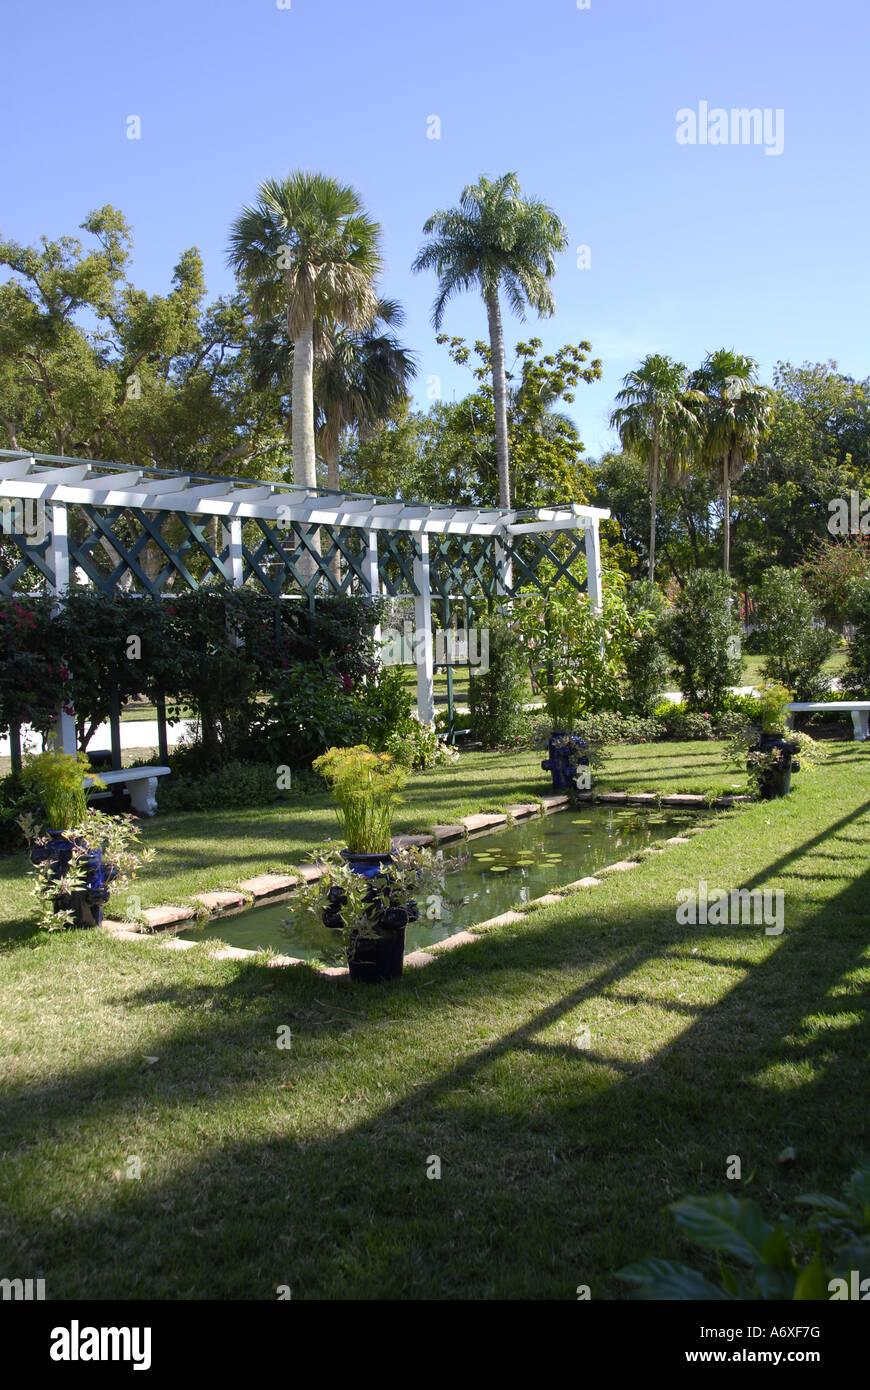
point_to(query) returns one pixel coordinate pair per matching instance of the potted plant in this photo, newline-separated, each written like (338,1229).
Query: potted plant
(566,751)
(771,757)
(366,787)
(77,853)
(369,912)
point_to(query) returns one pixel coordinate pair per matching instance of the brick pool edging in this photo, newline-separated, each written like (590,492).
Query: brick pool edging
(165,921)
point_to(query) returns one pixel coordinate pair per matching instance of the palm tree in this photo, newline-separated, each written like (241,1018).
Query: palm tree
(360,376)
(307,248)
(496,239)
(735,415)
(657,420)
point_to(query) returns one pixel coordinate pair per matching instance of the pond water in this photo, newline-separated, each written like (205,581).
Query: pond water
(485,876)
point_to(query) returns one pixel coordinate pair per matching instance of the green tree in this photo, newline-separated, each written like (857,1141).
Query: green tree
(308,249)
(795,647)
(684,531)
(495,240)
(701,636)
(360,378)
(447,453)
(656,417)
(92,366)
(816,449)
(734,418)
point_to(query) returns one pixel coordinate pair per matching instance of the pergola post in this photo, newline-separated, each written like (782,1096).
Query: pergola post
(372,575)
(503,570)
(233,533)
(593,564)
(64,736)
(423,654)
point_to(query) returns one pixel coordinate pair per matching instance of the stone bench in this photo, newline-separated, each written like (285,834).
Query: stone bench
(859,710)
(139,782)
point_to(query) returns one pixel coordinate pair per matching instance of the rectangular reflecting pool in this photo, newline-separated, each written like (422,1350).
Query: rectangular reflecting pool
(484,877)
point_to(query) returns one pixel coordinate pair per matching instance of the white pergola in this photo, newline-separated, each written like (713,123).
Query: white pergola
(70,483)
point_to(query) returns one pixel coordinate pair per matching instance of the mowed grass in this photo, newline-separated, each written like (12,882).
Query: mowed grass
(307,1165)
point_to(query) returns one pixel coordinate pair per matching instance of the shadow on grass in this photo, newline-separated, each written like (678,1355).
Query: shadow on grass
(555,1160)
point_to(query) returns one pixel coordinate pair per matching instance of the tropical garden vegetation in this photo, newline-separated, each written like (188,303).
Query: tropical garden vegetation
(721,571)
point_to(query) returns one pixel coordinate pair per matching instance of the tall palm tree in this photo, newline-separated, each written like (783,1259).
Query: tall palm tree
(656,417)
(735,415)
(307,248)
(496,239)
(359,377)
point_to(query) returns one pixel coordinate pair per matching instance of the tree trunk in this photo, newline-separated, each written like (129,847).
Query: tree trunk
(304,468)
(499,396)
(726,497)
(330,453)
(302,427)
(654,490)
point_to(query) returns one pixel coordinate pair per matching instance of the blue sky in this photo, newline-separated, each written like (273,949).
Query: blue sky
(691,247)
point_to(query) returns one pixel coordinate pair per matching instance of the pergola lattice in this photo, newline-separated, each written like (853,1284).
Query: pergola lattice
(153,531)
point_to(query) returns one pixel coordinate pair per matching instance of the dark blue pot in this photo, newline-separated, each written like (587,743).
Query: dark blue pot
(563,762)
(374,959)
(86,903)
(385,919)
(367,865)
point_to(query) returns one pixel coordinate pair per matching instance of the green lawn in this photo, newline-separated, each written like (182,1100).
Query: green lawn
(307,1166)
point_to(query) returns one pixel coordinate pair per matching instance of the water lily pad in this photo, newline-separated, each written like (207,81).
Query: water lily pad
(498,869)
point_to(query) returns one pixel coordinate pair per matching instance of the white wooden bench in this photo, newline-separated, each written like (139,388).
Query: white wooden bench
(139,782)
(859,710)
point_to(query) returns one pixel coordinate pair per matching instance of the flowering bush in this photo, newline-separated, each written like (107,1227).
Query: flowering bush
(416,745)
(34,677)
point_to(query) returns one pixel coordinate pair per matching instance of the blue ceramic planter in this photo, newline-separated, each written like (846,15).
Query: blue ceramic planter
(563,761)
(88,902)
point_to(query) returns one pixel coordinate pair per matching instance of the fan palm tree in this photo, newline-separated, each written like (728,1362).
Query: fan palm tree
(308,249)
(657,421)
(360,376)
(735,416)
(496,239)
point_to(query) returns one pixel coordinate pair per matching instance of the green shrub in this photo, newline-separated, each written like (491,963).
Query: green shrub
(576,648)
(235,784)
(56,782)
(497,696)
(15,801)
(415,746)
(313,708)
(795,649)
(647,661)
(833,1241)
(856,677)
(390,704)
(702,632)
(680,724)
(608,727)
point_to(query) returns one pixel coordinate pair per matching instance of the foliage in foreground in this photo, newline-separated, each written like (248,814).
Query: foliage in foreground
(837,1235)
